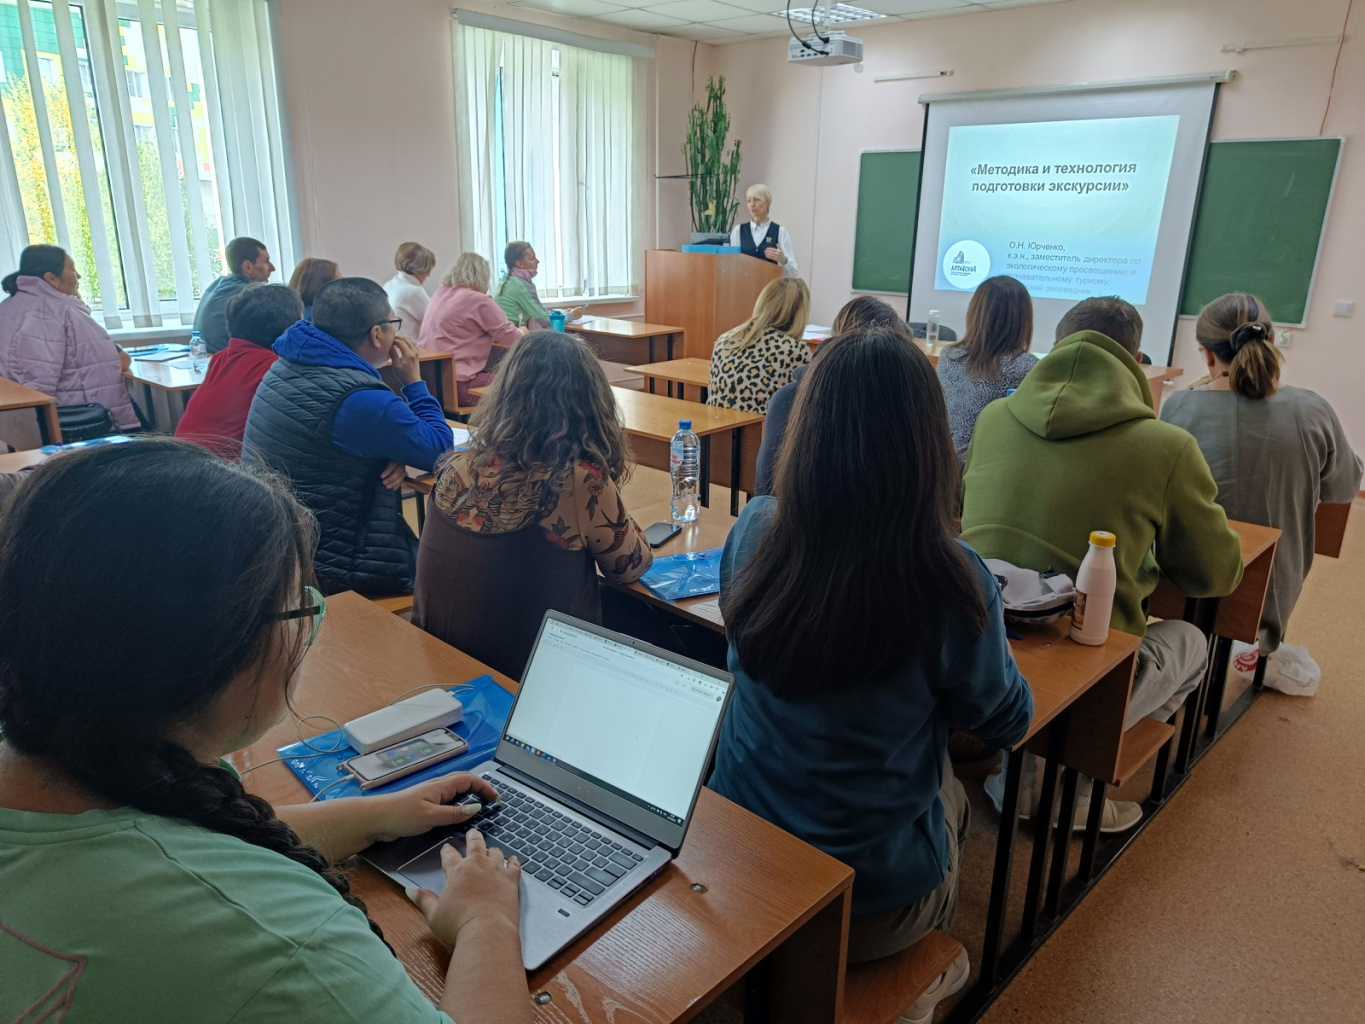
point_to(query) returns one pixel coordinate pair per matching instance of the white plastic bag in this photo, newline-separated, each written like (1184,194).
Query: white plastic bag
(1293,671)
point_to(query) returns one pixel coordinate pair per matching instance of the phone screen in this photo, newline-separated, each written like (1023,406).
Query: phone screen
(660,532)
(403,756)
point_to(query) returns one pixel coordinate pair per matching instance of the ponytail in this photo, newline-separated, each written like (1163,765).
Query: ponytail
(36,261)
(1237,330)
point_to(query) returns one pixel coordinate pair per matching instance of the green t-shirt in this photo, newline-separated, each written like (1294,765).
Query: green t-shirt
(135,917)
(516,301)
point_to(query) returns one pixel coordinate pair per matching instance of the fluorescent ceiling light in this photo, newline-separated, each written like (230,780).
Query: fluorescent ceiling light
(836,14)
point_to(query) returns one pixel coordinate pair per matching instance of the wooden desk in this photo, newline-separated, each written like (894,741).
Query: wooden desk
(438,371)
(14,395)
(665,952)
(652,420)
(166,387)
(1239,613)
(624,341)
(13,462)
(682,372)
(1330,528)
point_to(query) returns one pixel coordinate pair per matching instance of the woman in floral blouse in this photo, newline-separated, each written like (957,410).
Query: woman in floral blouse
(521,520)
(752,361)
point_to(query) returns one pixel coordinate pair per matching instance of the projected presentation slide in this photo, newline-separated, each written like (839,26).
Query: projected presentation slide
(1070,208)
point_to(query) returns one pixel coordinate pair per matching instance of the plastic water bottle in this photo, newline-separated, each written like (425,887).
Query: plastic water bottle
(931,330)
(557,319)
(1095,584)
(199,353)
(684,462)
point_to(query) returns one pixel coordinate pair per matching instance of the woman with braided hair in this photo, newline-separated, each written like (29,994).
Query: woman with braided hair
(1275,451)
(155,604)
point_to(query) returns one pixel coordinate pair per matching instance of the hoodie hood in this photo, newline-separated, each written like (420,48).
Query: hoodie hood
(304,343)
(1087,383)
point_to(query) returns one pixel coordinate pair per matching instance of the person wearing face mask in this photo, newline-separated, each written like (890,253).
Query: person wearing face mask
(517,295)
(761,238)
(51,343)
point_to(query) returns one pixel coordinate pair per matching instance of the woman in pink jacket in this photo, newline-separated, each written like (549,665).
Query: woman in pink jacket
(464,320)
(50,342)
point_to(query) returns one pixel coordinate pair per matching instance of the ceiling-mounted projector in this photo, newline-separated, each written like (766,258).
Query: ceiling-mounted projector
(836,48)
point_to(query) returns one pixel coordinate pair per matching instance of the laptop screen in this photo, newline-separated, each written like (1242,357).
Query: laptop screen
(625,717)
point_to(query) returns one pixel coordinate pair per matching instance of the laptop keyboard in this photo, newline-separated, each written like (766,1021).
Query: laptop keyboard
(554,849)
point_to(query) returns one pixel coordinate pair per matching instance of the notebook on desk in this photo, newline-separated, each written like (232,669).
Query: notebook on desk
(597,771)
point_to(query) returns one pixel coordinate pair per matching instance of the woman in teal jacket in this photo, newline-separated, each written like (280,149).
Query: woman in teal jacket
(517,293)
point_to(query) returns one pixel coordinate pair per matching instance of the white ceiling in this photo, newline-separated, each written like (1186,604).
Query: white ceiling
(731,21)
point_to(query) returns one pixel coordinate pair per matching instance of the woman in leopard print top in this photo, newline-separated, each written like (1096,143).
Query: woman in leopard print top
(752,361)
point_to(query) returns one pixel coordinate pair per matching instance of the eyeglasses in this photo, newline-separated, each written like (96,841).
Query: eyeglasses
(317,608)
(396,321)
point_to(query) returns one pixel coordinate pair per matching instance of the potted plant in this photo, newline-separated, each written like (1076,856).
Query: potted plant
(711,172)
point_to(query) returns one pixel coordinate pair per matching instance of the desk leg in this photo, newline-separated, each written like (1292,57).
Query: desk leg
(151,405)
(1093,821)
(45,432)
(1000,876)
(704,489)
(1222,654)
(651,385)
(1066,817)
(736,443)
(1042,838)
(807,971)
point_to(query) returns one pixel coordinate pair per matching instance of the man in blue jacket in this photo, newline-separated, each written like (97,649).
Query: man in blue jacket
(323,417)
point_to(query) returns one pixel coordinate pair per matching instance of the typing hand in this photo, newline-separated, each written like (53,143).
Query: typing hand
(421,808)
(481,887)
(393,475)
(403,356)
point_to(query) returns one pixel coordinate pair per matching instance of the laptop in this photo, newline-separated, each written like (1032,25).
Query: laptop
(597,773)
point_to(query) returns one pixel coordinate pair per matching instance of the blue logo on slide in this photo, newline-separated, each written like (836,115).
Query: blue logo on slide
(966,264)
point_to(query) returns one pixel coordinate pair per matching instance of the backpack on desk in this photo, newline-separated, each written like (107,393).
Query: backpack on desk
(1032,596)
(85,422)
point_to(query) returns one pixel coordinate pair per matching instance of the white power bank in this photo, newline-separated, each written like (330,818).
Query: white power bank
(422,712)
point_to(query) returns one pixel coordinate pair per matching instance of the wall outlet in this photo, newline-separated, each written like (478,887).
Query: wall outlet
(1284,339)
(1342,309)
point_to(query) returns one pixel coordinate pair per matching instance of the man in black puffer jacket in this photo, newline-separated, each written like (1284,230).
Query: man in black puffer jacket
(324,418)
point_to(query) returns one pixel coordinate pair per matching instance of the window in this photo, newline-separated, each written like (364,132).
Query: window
(548,153)
(141,146)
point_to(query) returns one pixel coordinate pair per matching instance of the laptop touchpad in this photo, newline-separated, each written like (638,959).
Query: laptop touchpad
(426,871)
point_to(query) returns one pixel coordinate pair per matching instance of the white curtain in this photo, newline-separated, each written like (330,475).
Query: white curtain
(143,149)
(549,136)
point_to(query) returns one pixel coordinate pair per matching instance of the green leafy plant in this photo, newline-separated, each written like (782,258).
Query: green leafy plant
(712,173)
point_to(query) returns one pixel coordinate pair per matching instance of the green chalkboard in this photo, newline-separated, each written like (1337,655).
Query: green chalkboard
(888,184)
(1261,214)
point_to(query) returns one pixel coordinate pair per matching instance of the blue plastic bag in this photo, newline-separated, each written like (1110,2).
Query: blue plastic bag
(690,574)
(485,716)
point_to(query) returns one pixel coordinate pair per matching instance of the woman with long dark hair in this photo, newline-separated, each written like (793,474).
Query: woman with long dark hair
(992,356)
(861,629)
(523,519)
(140,881)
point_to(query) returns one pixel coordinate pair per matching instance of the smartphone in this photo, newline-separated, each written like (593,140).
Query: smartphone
(660,532)
(392,763)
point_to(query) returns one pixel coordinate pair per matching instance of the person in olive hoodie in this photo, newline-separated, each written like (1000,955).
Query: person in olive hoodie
(1078,448)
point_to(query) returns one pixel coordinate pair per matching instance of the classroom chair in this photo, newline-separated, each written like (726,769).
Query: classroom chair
(877,991)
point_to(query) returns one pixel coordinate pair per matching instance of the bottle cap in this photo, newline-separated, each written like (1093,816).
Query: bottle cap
(684,424)
(1102,538)
(934,312)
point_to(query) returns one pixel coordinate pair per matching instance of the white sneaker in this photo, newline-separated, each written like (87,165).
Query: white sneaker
(950,982)
(1119,816)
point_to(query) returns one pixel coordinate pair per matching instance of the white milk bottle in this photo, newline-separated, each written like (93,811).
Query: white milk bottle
(1095,591)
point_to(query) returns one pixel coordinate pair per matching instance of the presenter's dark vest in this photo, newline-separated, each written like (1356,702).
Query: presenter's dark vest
(768,241)
(364,544)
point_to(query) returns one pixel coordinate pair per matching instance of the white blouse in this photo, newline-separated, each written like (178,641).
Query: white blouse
(409,301)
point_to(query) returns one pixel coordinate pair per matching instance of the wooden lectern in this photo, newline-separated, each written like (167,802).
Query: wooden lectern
(705,293)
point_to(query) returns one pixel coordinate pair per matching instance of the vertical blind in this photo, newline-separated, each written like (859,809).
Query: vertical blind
(548,146)
(140,136)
